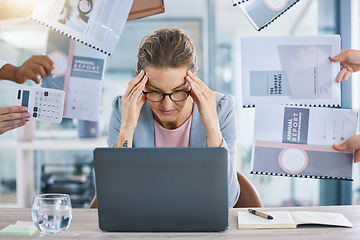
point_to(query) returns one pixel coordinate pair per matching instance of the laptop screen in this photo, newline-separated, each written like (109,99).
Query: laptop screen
(161,189)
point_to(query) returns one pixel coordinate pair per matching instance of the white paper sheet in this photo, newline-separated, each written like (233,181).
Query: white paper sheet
(261,13)
(79,72)
(298,141)
(96,23)
(290,70)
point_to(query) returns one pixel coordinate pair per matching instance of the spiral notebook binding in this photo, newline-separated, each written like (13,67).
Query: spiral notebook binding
(239,2)
(301,105)
(267,24)
(70,36)
(300,176)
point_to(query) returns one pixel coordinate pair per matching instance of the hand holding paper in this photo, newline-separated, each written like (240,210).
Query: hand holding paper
(350,62)
(353,143)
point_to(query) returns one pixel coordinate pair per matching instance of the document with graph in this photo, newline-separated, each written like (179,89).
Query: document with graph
(292,70)
(95,23)
(298,141)
(79,71)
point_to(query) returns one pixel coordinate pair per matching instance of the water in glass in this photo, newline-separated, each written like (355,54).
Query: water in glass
(51,213)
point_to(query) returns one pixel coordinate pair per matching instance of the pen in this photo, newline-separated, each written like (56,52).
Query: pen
(260,214)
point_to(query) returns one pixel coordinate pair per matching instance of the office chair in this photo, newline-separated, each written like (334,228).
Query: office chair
(248,194)
(93,203)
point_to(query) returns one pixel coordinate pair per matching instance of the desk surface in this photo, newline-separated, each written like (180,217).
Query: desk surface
(84,225)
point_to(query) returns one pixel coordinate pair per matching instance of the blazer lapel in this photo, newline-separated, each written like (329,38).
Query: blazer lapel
(144,134)
(197,132)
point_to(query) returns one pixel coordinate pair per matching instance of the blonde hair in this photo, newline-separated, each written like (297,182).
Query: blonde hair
(167,48)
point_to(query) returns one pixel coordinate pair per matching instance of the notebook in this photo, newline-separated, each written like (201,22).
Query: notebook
(295,70)
(261,13)
(97,24)
(283,219)
(161,189)
(298,141)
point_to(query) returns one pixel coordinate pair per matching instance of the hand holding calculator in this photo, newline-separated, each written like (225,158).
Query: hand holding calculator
(44,104)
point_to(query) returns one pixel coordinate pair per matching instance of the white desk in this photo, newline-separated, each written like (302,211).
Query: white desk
(25,179)
(84,225)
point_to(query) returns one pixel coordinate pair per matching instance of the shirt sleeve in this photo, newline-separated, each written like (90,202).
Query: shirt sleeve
(115,122)
(228,128)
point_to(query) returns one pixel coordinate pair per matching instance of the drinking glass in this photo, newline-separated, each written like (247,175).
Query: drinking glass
(51,213)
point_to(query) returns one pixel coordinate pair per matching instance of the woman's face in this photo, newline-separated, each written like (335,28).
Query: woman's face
(168,113)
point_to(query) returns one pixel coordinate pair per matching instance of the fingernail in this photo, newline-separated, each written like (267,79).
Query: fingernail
(25,109)
(52,72)
(27,114)
(53,66)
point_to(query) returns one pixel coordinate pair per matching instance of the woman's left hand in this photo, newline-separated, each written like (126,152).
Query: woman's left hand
(204,98)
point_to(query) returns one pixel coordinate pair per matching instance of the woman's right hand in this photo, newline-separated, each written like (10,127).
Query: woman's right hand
(131,104)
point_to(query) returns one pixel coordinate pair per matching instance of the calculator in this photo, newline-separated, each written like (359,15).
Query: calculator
(44,104)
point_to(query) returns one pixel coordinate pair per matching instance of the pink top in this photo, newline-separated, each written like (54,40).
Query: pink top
(179,137)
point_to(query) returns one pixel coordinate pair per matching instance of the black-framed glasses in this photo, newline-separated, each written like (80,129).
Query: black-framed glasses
(176,96)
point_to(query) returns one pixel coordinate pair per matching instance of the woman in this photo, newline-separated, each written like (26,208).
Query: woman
(167,105)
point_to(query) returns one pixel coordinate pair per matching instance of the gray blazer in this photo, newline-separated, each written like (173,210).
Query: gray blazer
(144,135)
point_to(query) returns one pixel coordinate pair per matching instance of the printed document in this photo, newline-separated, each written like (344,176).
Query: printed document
(261,13)
(298,141)
(97,24)
(79,71)
(290,70)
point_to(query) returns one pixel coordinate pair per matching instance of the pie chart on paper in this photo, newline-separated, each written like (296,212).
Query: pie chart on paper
(61,62)
(276,5)
(293,160)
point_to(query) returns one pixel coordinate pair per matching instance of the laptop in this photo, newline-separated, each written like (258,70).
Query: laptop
(161,189)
